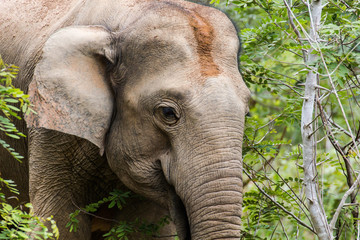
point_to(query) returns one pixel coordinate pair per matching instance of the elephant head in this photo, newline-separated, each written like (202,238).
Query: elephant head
(163,98)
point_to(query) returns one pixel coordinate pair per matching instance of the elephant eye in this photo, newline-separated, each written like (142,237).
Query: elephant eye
(169,115)
(168,112)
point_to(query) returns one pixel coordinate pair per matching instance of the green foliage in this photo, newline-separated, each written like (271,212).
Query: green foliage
(9,184)
(17,223)
(116,198)
(274,66)
(121,229)
(12,102)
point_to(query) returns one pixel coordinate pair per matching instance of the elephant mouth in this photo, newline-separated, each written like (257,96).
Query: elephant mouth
(176,206)
(179,216)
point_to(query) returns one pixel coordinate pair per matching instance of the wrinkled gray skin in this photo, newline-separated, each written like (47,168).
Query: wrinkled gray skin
(144,95)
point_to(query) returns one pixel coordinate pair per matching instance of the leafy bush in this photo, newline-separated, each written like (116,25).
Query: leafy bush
(16,223)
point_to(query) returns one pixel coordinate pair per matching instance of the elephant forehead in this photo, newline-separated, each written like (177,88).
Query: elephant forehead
(170,33)
(204,35)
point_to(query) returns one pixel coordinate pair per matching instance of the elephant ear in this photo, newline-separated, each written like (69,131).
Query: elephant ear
(69,90)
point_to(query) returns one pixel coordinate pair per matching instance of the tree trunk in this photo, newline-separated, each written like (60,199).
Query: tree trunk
(313,196)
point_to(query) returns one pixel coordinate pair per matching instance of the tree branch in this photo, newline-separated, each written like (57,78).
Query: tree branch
(291,21)
(342,202)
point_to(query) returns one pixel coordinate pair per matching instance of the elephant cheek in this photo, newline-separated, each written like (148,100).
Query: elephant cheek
(141,173)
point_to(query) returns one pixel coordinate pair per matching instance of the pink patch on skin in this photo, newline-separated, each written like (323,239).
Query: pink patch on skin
(204,35)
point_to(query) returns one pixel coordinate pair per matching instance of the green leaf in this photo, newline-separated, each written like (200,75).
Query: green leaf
(11,100)
(13,136)
(22,235)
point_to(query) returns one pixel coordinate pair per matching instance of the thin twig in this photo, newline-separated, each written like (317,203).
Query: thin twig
(282,226)
(270,122)
(93,215)
(272,234)
(287,85)
(317,129)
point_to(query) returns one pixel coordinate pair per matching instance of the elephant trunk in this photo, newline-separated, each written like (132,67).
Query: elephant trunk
(215,212)
(210,185)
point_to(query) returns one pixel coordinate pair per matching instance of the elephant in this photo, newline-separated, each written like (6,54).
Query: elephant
(143,95)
